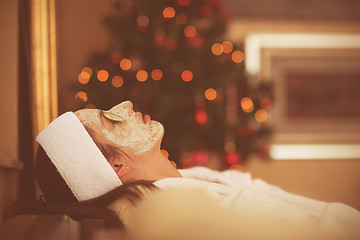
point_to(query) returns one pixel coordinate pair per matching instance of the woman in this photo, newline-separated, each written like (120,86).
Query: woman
(97,152)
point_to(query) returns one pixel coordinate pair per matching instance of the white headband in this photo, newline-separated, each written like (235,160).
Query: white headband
(77,158)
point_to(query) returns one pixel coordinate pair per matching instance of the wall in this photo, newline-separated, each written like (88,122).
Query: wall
(8,104)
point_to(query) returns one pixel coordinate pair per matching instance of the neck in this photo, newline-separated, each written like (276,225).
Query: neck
(158,167)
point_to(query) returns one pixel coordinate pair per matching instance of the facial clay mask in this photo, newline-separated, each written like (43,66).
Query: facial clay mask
(132,133)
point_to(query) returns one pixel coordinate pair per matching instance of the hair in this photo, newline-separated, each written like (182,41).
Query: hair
(57,197)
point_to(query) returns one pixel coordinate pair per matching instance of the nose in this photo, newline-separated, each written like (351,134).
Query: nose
(128,104)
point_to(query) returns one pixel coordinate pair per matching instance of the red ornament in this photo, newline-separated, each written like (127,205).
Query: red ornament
(183,2)
(115,57)
(200,157)
(201,117)
(232,158)
(196,42)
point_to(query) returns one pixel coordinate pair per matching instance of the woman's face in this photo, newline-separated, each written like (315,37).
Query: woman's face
(137,133)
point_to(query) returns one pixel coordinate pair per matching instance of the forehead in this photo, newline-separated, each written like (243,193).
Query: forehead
(89,117)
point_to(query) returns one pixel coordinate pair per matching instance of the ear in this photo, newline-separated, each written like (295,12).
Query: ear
(123,171)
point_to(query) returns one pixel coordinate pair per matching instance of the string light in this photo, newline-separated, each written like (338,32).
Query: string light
(247,104)
(169,12)
(210,94)
(83,77)
(181,19)
(102,75)
(125,64)
(87,70)
(165,153)
(156,74)
(142,21)
(187,75)
(237,56)
(227,46)
(190,31)
(141,75)
(217,49)
(117,81)
(261,115)
(82,96)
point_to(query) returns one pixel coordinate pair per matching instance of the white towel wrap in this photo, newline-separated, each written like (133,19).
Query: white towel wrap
(77,158)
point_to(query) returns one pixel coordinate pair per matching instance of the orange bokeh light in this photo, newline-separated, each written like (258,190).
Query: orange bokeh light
(210,94)
(117,81)
(247,104)
(125,64)
(237,56)
(84,77)
(181,18)
(190,31)
(88,70)
(217,49)
(141,75)
(165,153)
(187,75)
(156,74)
(227,46)
(261,115)
(102,75)
(82,96)
(169,12)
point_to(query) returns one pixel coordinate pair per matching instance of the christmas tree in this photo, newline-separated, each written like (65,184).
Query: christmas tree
(170,58)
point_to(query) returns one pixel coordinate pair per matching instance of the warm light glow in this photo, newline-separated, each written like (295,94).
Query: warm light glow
(125,64)
(165,153)
(261,115)
(88,70)
(141,75)
(236,167)
(142,21)
(169,12)
(190,31)
(210,94)
(117,81)
(82,96)
(84,77)
(227,46)
(102,75)
(217,49)
(314,151)
(237,56)
(247,104)
(181,18)
(187,75)
(156,74)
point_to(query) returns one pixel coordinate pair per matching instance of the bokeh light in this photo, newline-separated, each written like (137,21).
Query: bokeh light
(165,153)
(237,56)
(247,104)
(125,64)
(142,21)
(84,77)
(261,115)
(201,117)
(187,75)
(102,75)
(88,70)
(169,12)
(141,75)
(217,49)
(210,94)
(117,81)
(81,96)
(181,19)
(227,46)
(190,31)
(156,74)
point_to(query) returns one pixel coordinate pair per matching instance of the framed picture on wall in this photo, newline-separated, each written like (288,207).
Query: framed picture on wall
(316,80)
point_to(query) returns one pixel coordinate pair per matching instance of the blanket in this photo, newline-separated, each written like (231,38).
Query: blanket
(241,197)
